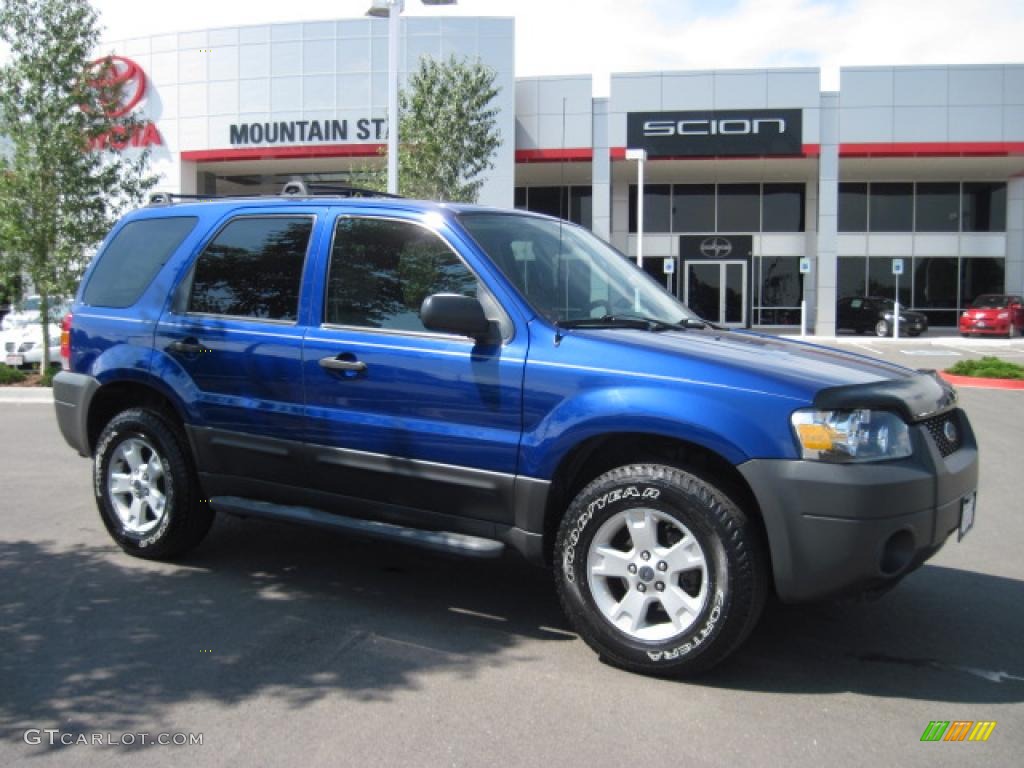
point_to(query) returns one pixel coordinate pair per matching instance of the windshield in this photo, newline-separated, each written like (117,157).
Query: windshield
(31,304)
(567,274)
(990,302)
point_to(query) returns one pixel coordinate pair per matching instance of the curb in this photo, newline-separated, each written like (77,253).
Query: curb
(42,395)
(978,382)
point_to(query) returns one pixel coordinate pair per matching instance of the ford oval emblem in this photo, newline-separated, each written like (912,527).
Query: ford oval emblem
(949,432)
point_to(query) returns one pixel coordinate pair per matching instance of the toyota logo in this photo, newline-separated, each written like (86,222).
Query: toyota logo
(715,247)
(949,432)
(121,83)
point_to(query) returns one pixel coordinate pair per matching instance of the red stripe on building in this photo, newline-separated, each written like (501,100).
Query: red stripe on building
(882,149)
(570,155)
(282,153)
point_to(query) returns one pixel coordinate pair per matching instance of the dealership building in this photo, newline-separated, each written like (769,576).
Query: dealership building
(760,190)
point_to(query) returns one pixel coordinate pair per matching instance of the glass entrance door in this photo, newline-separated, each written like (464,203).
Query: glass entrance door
(717,290)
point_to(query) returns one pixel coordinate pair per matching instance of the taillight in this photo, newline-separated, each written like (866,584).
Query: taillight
(65,342)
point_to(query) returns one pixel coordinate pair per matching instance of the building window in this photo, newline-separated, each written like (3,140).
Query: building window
(984,207)
(739,208)
(657,208)
(937,207)
(891,207)
(693,208)
(882,282)
(573,203)
(851,276)
(780,289)
(935,283)
(782,208)
(978,276)
(853,207)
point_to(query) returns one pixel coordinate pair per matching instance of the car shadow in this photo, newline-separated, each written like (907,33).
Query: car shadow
(941,635)
(95,638)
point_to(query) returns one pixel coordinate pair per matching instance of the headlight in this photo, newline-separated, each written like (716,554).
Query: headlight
(27,346)
(851,436)
(1004,315)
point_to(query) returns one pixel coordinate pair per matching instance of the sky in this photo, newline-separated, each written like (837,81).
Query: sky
(597,37)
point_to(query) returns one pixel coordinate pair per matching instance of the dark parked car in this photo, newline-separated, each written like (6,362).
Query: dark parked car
(875,314)
(994,314)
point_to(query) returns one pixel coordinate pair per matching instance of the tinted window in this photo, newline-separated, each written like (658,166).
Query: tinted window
(131,260)
(978,276)
(892,207)
(851,275)
(253,268)
(520,197)
(984,207)
(581,206)
(781,281)
(882,282)
(935,282)
(552,201)
(381,271)
(693,208)
(783,208)
(853,207)
(739,208)
(937,207)
(657,208)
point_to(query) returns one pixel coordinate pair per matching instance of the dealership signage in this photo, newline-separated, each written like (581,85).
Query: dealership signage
(730,133)
(116,74)
(715,247)
(291,131)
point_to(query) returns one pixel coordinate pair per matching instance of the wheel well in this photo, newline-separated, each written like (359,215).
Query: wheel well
(111,399)
(597,455)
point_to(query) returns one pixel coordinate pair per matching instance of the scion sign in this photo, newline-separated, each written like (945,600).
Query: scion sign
(731,133)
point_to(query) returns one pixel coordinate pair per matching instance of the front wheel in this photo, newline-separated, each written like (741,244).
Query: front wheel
(660,571)
(881,328)
(145,488)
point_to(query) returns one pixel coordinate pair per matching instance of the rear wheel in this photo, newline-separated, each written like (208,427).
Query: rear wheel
(659,570)
(882,328)
(145,487)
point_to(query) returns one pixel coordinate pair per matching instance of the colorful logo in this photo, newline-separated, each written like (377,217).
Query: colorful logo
(121,76)
(958,730)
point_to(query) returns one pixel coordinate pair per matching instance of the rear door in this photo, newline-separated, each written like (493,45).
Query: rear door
(397,414)
(232,345)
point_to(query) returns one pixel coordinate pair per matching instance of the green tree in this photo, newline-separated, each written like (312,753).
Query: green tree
(58,197)
(448,130)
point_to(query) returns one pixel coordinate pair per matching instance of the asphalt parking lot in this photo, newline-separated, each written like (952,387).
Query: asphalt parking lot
(283,646)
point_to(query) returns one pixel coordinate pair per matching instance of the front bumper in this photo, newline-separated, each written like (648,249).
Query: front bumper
(987,327)
(72,393)
(839,529)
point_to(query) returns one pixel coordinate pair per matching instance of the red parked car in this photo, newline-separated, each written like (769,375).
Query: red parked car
(995,314)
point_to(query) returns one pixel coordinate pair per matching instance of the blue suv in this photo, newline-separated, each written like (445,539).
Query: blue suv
(473,380)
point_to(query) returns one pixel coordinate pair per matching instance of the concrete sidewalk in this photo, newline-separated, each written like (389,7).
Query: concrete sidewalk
(26,395)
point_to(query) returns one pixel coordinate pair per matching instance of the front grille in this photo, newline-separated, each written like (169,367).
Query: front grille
(937,428)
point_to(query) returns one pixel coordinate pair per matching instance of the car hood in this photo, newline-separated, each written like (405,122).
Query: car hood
(744,359)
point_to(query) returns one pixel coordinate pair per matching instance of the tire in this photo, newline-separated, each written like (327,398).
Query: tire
(717,592)
(145,487)
(882,329)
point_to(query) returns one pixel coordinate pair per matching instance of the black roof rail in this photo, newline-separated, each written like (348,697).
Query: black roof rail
(297,188)
(168,198)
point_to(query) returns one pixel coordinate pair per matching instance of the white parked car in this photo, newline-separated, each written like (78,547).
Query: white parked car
(21,343)
(24,311)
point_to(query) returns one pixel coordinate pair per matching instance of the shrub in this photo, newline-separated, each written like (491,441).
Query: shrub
(988,368)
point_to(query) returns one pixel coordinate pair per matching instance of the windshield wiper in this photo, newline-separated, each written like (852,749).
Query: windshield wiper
(640,322)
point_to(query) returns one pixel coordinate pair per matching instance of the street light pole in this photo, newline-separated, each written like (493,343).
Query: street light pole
(640,155)
(392,9)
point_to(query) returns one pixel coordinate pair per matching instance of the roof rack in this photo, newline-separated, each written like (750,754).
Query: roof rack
(295,188)
(302,189)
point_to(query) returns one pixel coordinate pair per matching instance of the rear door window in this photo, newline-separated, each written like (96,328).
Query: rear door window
(132,259)
(253,268)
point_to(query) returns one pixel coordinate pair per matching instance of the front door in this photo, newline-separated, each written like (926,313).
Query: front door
(397,414)
(717,290)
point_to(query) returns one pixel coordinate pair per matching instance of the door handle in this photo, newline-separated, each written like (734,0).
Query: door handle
(337,364)
(186,347)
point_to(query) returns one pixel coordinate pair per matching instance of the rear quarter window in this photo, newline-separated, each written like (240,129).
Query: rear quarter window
(126,267)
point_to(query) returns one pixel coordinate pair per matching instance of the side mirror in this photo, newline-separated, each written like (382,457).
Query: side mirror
(452,313)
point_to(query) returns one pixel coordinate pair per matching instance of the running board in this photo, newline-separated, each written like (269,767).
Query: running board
(439,541)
